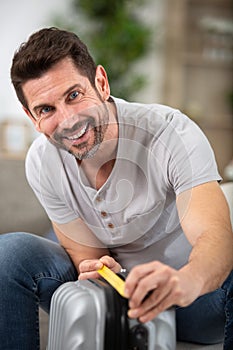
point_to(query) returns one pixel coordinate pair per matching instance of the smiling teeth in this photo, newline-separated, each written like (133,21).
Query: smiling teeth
(80,134)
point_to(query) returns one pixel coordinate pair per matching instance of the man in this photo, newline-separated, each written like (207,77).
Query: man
(127,185)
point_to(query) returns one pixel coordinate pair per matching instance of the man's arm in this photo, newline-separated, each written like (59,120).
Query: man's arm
(204,216)
(79,242)
(205,219)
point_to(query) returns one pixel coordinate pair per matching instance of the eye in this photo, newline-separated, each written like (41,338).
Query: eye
(45,110)
(73,95)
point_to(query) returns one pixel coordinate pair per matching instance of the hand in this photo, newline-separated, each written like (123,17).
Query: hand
(88,268)
(154,287)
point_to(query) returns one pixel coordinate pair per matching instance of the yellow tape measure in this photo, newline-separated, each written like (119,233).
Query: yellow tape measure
(115,281)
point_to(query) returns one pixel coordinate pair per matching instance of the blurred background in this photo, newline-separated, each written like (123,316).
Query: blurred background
(174,52)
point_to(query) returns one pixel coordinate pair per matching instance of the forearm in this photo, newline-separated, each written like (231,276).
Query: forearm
(209,264)
(211,259)
(205,219)
(85,254)
(81,246)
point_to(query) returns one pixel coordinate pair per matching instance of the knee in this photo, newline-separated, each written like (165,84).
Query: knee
(15,248)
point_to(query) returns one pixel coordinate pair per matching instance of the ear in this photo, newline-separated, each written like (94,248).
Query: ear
(101,82)
(32,118)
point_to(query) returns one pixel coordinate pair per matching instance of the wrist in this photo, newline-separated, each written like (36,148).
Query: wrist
(194,278)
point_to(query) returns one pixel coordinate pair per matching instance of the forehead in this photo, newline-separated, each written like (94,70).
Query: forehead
(53,83)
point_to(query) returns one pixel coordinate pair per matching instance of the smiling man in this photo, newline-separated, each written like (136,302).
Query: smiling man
(72,114)
(124,184)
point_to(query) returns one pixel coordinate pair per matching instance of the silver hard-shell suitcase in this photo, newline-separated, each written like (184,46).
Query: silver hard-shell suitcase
(91,315)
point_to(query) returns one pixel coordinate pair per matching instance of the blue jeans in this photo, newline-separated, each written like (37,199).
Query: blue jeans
(32,268)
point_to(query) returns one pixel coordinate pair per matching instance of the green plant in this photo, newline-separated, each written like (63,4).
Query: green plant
(116,37)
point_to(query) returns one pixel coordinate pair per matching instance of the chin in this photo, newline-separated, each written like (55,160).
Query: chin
(86,154)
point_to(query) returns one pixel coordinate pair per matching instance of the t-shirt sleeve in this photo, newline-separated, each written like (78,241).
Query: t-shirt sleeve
(44,174)
(190,160)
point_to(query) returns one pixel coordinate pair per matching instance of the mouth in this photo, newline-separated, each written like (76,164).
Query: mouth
(81,132)
(82,139)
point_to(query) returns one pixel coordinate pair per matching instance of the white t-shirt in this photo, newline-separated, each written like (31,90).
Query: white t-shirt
(160,154)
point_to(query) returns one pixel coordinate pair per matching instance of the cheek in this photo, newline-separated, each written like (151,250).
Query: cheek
(47,130)
(91,102)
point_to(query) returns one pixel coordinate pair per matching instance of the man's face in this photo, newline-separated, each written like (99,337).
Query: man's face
(65,107)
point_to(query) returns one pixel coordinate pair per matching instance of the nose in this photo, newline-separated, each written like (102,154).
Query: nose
(64,113)
(66,116)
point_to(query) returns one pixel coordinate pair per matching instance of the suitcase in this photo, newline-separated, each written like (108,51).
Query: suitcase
(91,315)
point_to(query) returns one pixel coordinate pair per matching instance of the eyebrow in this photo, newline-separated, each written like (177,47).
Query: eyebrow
(75,86)
(72,88)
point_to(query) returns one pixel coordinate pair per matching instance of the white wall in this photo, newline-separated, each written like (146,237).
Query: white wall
(18,19)
(152,66)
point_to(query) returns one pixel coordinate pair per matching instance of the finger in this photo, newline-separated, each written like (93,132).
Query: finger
(142,293)
(136,275)
(108,261)
(88,275)
(157,279)
(162,278)
(111,263)
(155,296)
(158,301)
(167,302)
(155,311)
(90,265)
(150,302)
(147,312)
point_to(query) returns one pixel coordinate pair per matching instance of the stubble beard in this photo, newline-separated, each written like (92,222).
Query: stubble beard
(88,148)
(84,150)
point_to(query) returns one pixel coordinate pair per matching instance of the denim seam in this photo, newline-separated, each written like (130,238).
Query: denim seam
(226,312)
(38,326)
(41,276)
(227,319)
(226,288)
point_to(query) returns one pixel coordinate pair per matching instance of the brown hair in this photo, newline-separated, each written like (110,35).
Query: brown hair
(44,49)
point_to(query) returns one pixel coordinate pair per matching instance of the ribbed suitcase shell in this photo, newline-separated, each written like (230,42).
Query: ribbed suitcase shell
(80,320)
